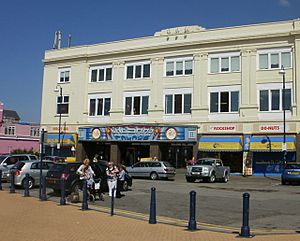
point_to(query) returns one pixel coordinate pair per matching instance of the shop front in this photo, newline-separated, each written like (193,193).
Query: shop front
(267,152)
(63,145)
(229,148)
(128,144)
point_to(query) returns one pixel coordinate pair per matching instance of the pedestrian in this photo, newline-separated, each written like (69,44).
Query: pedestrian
(192,162)
(120,181)
(111,172)
(86,172)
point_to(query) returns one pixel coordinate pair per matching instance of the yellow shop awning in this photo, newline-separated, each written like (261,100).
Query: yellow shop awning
(266,143)
(65,139)
(221,143)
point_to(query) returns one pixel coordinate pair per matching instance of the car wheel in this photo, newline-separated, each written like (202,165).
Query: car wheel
(153,176)
(30,182)
(212,178)
(190,179)
(125,186)
(226,178)
(76,187)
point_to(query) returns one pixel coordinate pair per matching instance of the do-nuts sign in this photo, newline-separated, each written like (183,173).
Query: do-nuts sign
(222,128)
(271,128)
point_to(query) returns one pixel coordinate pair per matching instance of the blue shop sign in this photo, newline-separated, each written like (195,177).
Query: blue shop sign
(138,133)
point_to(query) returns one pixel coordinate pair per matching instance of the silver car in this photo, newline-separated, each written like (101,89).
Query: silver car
(152,169)
(33,169)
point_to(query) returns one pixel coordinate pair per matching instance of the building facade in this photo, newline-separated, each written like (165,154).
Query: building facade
(186,91)
(15,134)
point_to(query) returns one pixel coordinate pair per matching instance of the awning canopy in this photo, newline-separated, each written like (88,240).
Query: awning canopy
(221,143)
(65,139)
(266,143)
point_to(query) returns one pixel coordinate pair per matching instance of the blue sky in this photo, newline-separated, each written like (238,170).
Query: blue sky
(27,30)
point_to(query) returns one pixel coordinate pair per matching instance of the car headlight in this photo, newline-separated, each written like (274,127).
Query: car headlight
(205,169)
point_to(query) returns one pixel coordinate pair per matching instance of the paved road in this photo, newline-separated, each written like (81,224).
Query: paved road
(272,205)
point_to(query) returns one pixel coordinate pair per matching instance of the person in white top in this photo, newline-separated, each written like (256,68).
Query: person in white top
(111,172)
(86,172)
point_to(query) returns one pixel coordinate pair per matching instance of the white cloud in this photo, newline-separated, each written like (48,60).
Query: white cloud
(285,3)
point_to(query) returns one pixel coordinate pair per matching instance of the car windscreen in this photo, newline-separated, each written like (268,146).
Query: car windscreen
(57,167)
(292,166)
(205,162)
(18,165)
(2,158)
(167,164)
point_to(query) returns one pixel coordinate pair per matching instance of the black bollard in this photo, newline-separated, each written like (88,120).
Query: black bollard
(192,221)
(62,192)
(112,202)
(84,205)
(12,188)
(152,217)
(26,185)
(0,179)
(43,183)
(245,230)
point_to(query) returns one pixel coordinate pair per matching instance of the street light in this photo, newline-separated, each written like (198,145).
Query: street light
(58,88)
(282,71)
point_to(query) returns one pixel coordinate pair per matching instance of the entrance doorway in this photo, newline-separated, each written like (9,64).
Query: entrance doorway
(177,155)
(132,152)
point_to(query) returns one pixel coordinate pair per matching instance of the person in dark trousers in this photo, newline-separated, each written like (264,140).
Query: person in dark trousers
(120,182)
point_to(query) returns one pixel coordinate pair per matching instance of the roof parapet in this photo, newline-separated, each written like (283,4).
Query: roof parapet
(180,30)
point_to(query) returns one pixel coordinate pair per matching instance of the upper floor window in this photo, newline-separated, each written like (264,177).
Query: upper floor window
(136,104)
(138,70)
(272,99)
(34,131)
(99,105)
(224,101)
(101,73)
(62,105)
(274,58)
(64,75)
(178,101)
(10,130)
(179,66)
(227,62)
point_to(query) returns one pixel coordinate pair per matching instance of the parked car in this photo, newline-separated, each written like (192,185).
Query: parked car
(152,169)
(207,169)
(32,167)
(72,181)
(291,173)
(8,161)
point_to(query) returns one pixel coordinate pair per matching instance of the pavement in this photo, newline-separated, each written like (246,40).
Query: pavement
(29,219)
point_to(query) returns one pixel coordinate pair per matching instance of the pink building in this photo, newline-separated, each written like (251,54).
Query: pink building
(15,134)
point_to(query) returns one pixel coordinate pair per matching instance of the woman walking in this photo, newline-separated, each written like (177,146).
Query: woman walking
(111,172)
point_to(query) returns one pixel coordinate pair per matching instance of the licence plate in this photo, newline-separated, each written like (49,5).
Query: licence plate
(97,186)
(196,173)
(51,181)
(294,173)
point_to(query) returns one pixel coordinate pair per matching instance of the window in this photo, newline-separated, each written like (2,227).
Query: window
(34,131)
(64,75)
(224,101)
(99,105)
(272,100)
(62,105)
(178,103)
(138,70)
(136,105)
(229,62)
(274,59)
(101,73)
(179,66)
(10,130)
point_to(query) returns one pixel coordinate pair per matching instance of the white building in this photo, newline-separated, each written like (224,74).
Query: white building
(183,92)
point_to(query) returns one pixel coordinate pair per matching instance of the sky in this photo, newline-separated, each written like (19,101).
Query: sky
(27,29)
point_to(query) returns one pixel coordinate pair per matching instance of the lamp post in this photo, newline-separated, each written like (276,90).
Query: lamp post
(282,71)
(59,89)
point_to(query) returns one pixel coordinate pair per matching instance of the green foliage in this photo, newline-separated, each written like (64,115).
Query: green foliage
(25,151)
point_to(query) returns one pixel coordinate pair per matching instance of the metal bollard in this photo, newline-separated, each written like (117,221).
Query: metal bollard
(245,230)
(43,183)
(62,192)
(0,179)
(84,205)
(26,185)
(192,221)
(152,217)
(112,202)
(12,188)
